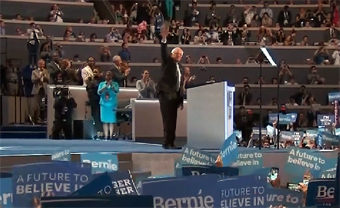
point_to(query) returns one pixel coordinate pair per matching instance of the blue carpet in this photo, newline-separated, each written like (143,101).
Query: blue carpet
(47,146)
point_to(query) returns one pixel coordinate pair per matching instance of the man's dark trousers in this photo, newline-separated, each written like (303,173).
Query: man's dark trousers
(169,108)
(64,125)
(95,111)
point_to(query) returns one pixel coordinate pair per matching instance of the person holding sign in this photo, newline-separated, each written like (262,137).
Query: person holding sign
(108,91)
(170,89)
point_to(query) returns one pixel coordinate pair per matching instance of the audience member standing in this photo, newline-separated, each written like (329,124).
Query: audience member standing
(33,43)
(125,54)
(118,75)
(145,86)
(87,71)
(94,99)
(53,68)
(40,78)
(108,91)
(13,78)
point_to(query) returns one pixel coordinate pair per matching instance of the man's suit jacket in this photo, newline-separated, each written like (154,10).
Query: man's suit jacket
(118,76)
(53,68)
(168,82)
(71,77)
(37,82)
(281,18)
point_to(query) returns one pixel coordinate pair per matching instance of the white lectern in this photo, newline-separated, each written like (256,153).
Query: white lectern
(210,115)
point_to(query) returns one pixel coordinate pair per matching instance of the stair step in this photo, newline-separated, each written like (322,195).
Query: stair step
(23,135)
(42,128)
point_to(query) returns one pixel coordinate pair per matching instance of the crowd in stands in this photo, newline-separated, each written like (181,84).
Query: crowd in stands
(234,30)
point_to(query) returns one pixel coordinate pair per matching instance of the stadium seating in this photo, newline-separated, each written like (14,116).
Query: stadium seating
(145,53)
(57,30)
(223,9)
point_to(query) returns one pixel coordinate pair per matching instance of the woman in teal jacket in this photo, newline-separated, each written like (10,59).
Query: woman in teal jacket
(108,91)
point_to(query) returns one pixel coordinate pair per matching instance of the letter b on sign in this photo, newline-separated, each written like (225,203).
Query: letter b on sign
(324,192)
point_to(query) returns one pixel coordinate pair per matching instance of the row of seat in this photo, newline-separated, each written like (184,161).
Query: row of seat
(232,73)
(58,30)
(255,2)
(223,9)
(39,9)
(145,53)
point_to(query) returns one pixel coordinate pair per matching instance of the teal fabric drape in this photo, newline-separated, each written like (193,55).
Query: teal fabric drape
(169,4)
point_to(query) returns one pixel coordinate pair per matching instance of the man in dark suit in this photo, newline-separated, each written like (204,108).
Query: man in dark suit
(53,68)
(169,90)
(285,17)
(118,75)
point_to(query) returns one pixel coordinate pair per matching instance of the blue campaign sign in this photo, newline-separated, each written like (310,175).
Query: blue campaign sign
(95,187)
(6,193)
(59,178)
(243,191)
(333,96)
(194,156)
(111,201)
(276,197)
(192,191)
(337,131)
(295,136)
(122,183)
(302,163)
(325,120)
(321,193)
(283,118)
(61,155)
(229,150)
(326,138)
(312,133)
(203,170)
(256,132)
(248,161)
(101,162)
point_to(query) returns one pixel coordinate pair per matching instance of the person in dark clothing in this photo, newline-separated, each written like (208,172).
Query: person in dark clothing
(120,71)
(63,108)
(94,98)
(170,90)
(244,123)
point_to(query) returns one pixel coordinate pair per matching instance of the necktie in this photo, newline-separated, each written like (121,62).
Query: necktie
(178,74)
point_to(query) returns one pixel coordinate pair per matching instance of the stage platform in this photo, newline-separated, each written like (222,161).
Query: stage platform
(142,159)
(11,147)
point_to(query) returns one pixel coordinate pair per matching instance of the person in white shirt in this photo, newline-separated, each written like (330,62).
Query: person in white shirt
(336,55)
(56,14)
(33,43)
(87,71)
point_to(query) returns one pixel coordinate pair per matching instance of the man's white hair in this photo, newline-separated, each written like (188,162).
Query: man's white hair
(115,58)
(176,49)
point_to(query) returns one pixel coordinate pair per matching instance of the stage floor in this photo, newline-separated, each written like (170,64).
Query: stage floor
(9,147)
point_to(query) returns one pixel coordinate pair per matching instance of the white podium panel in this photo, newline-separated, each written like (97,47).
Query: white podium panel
(210,115)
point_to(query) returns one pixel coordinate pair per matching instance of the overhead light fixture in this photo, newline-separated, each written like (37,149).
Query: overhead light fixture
(268,56)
